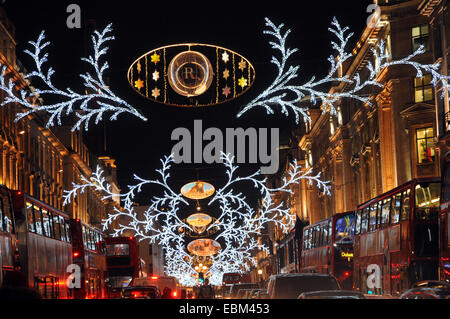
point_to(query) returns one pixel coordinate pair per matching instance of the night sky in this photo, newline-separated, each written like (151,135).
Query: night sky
(140,26)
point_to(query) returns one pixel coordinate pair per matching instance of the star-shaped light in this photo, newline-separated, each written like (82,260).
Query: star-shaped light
(242,82)
(226,74)
(155,75)
(225,57)
(155,58)
(139,84)
(156,92)
(139,67)
(226,91)
(242,65)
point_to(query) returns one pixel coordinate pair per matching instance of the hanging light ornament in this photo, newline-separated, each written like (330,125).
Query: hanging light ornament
(238,222)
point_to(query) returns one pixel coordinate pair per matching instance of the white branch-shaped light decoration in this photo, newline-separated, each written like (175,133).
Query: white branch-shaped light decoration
(288,96)
(98,99)
(238,222)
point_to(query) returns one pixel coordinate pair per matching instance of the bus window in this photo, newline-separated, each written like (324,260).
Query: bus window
(385,210)
(68,233)
(117,250)
(365,220)
(1,215)
(56,227)
(358,223)
(62,228)
(427,201)
(30,217)
(373,217)
(396,205)
(330,231)
(7,215)
(308,239)
(38,219)
(405,205)
(46,219)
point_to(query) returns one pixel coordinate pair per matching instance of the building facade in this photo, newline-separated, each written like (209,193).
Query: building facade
(367,150)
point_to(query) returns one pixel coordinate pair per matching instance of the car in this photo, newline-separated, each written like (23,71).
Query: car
(429,289)
(243,293)
(332,294)
(290,286)
(141,292)
(236,287)
(254,293)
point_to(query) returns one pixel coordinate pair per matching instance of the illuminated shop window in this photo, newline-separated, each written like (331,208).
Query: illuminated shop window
(423,89)
(425,145)
(420,35)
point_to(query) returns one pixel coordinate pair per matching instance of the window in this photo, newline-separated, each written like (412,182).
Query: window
(425,145)
(420,36)
(30,217)
(373,217)
(46,219)
(405,205)
(365,221)
(38,219)
(56,227)
(423,89)
(1,216)
(68,233)
(396,205)
(117,250)
(7,215)
(385,212)
(62,228)
(427,201)
(358,223)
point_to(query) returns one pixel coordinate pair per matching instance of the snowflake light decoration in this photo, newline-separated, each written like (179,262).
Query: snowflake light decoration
(238,222)
(289,96)
(98,100)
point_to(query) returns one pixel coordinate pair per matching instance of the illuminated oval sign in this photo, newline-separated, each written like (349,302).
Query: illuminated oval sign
(199,220)
(191,75)
(204,247)
(197,190)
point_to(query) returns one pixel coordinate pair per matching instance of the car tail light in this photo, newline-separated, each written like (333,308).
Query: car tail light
(76,254)
(174,294)
(154,277)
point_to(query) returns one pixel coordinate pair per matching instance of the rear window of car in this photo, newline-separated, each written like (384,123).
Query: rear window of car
(291,287)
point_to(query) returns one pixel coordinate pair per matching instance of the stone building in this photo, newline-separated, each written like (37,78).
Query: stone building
(366,150)
(369,149)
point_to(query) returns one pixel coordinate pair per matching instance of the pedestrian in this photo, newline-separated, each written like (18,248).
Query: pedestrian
(206,291)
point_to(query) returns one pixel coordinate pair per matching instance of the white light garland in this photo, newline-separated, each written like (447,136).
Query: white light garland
(238,222)
(288,96)
(98,99)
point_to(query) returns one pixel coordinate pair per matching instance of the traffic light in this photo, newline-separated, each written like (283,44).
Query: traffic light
(200,277)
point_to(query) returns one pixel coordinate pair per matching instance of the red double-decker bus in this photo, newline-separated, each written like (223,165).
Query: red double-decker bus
(44,245)
(328,247)
(397,238)
(88,252)
(123,264)
(7,233)
(444,225)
